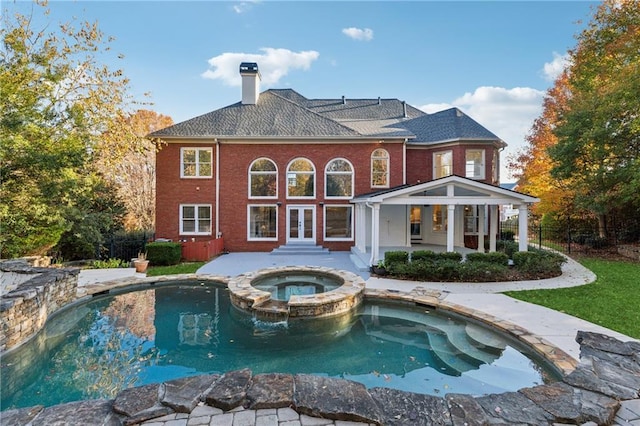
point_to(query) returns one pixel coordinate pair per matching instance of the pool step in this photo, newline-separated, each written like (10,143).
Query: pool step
(480,336)
(448,339)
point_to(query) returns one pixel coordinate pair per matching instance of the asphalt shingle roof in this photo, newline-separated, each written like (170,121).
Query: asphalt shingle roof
(284,113)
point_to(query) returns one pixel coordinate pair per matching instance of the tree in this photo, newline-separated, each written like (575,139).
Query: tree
(131,167)
(598,132)
(57,100)
(532,167)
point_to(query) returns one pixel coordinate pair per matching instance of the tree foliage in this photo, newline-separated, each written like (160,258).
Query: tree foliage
(127,160)
(598,148)
(583,152)
(57,100)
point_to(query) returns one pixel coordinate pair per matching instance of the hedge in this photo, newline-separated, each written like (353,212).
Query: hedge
(164,254)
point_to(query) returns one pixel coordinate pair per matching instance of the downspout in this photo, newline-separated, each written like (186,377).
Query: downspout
(404,161)
(217,188)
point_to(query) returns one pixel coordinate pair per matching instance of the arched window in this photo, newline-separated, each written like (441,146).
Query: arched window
(380,168)
(263,179)
(301,179)
(338,179)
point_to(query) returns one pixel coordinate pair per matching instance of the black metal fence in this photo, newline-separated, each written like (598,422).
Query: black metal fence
(124,246)
(579,237)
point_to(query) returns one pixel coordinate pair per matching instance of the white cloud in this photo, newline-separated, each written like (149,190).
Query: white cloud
(243,6)
(508,113)
(273,64)
(358,33)
(553,69)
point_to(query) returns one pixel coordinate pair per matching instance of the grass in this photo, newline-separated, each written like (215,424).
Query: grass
(612,301)
(182,268)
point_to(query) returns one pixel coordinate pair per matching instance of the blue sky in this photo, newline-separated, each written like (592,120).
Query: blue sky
(492,59)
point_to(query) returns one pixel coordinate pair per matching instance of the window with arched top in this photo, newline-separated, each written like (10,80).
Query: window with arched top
(301,179)
(263,179)
(380,168)
(338,179)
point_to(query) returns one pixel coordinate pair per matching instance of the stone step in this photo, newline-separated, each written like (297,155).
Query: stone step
(299,249)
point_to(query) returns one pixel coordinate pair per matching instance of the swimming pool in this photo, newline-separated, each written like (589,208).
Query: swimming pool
(96,349)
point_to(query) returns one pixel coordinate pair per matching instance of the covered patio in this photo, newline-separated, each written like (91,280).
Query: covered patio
(418,217)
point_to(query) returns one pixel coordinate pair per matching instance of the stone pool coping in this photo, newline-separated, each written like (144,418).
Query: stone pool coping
(337,301)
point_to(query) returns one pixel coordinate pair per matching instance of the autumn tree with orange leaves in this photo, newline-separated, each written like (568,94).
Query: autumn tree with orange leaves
(584,150)
(126,158)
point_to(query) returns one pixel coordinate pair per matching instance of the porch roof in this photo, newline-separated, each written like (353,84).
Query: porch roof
(447,190)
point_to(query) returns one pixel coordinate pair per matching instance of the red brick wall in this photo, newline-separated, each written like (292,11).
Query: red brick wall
(234,164)
(420,161)
(171,191)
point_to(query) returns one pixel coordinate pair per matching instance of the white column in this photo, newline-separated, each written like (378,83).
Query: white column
(481,216)
(361,227)
(523,227)
(375,233)
(493,227)
(451,225)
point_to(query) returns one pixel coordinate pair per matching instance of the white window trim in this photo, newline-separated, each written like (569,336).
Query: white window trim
(324,225)
(197,175)
(435,168)
(262,197)
(326,179)
(388,158)
(249,237)
(482,161)
(313,173)
(196,206)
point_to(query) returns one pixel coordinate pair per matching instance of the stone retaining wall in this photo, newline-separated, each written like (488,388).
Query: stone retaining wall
(29,296)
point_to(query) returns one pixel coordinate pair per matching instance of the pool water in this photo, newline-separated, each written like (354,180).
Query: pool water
(147,336)
(283,286)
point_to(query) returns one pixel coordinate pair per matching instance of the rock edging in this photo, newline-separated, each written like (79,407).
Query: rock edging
(609,372)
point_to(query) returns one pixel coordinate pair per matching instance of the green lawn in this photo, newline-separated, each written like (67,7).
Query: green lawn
(612,301)
(182,268)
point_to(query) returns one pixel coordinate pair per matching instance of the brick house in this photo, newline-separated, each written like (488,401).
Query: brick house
(362,175)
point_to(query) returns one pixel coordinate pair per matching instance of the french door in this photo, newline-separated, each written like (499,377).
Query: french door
(301,224)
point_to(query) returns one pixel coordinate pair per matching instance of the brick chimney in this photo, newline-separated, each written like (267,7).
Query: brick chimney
(250,83)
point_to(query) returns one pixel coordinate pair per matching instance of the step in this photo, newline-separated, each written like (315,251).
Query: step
(299,249)
(483,337)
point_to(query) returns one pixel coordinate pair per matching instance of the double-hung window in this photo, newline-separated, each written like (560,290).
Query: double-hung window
(262,222)
(195,219)
(439,218)
(474,163)
(196,162)
(338,223)
(442,164)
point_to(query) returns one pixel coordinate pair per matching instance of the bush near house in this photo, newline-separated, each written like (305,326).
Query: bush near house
(425,265)
(163,254)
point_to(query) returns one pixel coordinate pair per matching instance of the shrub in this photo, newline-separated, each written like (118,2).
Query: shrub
(538,262)
(163,254)
(109,263)
(449,255)
(447,270)
(507,235)
(479,271)
(392,260)
(419,255)
(508,247)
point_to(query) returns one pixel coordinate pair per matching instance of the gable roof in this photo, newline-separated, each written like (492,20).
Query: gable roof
(446,190)
(284,113)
